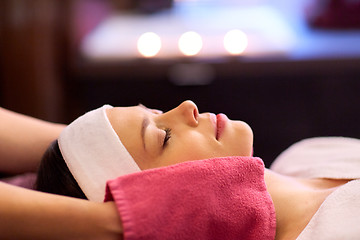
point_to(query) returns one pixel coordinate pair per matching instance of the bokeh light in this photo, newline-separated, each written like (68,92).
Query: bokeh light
(235,42)
(190,43)
(149,44)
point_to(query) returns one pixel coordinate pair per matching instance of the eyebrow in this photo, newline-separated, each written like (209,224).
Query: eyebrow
(144,125)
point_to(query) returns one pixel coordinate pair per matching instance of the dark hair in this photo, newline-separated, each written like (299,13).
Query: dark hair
(54,176)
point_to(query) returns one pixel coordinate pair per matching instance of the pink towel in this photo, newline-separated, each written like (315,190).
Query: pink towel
(220,198)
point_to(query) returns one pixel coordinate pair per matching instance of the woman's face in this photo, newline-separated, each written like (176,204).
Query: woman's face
(156,139)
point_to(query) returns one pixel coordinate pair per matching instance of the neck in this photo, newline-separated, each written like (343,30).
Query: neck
(295,200)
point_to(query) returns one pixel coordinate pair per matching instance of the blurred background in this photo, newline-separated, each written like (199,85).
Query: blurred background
(291,69)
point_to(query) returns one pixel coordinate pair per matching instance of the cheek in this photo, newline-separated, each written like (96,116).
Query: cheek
(143,159)
(140,159)
(191,148)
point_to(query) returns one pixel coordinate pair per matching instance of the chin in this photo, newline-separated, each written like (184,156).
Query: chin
(243,129)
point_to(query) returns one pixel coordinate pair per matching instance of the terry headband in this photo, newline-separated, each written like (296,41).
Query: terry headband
(94,153)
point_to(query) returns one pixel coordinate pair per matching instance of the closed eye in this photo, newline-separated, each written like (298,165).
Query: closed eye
(167,136)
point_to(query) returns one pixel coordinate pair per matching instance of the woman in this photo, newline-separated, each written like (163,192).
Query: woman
(150,139)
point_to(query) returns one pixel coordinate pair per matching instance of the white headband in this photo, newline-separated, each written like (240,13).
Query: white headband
(94,153)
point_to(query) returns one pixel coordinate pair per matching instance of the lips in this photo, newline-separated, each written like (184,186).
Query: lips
(221,120)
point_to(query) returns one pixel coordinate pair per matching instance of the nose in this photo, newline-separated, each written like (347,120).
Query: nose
(187,111)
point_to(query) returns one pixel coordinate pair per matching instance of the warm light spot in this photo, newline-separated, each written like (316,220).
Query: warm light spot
(235,42)
(190,43)
(149,44)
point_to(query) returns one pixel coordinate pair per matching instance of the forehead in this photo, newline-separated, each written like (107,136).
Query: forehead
(125,117)
(127,122)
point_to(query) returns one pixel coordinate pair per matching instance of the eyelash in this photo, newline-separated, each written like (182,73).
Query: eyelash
(167,136)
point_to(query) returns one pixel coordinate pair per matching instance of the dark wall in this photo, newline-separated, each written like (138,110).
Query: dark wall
(281,106)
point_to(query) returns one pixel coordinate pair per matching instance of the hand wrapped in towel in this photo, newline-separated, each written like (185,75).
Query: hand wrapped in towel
(219,198)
